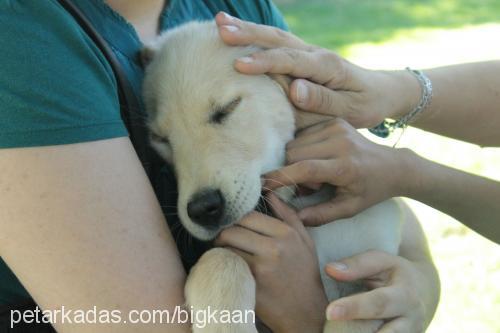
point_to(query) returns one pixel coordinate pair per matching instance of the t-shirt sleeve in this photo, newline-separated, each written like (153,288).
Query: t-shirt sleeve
(56,87)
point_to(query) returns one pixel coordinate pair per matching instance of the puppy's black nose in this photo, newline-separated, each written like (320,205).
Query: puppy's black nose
(206,208)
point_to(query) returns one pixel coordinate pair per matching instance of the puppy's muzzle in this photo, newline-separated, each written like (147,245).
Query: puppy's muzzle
(206,208)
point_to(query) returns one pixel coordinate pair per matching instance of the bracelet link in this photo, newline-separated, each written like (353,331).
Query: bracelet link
(385,128)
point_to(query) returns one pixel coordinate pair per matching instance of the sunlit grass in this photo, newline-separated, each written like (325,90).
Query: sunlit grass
(341,23)
(428,47)
(421,34)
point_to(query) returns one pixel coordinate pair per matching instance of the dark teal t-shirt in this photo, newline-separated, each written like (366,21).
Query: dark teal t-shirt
(56,87)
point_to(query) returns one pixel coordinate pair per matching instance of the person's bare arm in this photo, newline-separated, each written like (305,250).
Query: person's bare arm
(465,104)
(471,199)
(80,227)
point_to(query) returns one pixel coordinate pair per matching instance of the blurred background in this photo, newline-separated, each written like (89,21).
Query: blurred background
(393,34)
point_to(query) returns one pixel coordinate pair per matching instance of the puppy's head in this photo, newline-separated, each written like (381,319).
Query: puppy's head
(220,129)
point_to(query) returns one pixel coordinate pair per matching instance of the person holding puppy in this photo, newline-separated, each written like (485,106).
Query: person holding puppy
(80,224)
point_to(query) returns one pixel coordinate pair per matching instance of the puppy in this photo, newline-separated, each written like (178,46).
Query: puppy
(221,131)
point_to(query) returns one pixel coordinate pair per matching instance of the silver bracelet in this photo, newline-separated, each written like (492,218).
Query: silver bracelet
(388,126)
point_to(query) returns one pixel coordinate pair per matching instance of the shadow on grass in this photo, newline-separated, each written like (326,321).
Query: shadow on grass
(339,23)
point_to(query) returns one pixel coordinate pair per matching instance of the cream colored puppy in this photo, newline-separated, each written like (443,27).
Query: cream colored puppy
(222,130)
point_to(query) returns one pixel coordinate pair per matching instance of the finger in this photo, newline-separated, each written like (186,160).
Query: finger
(310,135)
(381,303)
(288,216)
(249,258)
(327,128)
(340,207)
(313,186)
(234,31)
(262,224)
(312,97)
(311,64)
(399,325)
(362,266)
(310,171)
(286,61)
(316,151)
(243,239)
(307,189)
(284,212)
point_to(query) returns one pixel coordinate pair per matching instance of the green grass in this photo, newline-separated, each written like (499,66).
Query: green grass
(339,23)
(422,34)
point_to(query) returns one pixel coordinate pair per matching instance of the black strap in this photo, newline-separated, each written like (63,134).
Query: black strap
(130,107)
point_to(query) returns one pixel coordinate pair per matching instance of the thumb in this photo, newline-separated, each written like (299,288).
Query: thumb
(282,211)
(316,98)
(288,216)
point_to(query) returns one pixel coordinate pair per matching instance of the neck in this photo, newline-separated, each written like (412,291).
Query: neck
(144,15)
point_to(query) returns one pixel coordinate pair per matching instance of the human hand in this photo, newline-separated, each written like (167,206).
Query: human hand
(282,257)
(404,293)
(333,152)
(326,83)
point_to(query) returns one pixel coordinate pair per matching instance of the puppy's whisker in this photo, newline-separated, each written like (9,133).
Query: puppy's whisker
(292,181)
(274,191)
(282,185)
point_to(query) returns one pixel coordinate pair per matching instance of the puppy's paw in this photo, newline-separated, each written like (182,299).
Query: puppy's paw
(220,292)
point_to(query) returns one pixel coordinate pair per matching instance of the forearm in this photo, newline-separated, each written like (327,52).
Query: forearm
(472,200)
(465,103)
(80,232)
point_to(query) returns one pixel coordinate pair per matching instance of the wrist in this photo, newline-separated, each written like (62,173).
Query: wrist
(406,91)
(408,180)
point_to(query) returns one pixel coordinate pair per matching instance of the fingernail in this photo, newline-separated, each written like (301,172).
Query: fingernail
(302,92)
(339,266)
(230,28)
(337,312)
(228,17)
(246,60)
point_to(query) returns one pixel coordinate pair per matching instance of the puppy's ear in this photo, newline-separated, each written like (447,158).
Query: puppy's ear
(303,119)
(147,54)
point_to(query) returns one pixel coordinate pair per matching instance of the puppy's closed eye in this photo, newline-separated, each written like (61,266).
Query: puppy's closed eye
(220,113)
